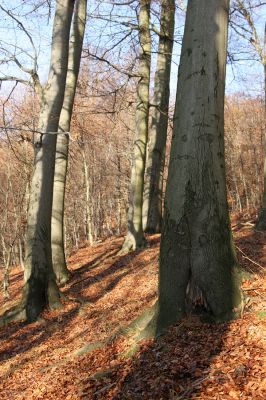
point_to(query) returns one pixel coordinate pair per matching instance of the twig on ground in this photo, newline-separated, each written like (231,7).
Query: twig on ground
(252,261)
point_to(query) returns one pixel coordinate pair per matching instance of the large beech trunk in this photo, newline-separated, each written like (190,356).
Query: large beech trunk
(135,236)
(40,287)
(196,245)
(152,203)
(61,158)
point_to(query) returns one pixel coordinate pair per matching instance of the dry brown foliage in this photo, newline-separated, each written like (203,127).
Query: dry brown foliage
(53,358)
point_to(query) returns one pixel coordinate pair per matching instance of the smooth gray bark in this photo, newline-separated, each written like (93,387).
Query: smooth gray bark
(40,287)
(61,158)
(135,237)
(153,187)
(196,245)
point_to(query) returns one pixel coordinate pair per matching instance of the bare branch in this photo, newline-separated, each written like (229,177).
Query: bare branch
(14,78)
(31,71)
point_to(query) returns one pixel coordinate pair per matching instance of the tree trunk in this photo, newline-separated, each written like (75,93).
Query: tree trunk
(7,268)
(135,237)
(261,223)
(242,176)
(20,249)
(119,192)
(40,286)
(61,157)
(238,197)
(88,219)
(196,245)
(152,203)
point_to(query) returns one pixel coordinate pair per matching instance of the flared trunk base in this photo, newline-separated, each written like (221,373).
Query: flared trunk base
(133,242)
(35,298)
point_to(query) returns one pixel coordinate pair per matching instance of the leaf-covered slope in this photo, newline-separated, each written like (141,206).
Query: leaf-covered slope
(78,352)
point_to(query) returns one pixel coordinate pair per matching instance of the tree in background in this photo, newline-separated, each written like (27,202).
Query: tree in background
(152,203)
(100,150)
(61,157)
(135,237)
(244,135)
(261,223)
(243,21)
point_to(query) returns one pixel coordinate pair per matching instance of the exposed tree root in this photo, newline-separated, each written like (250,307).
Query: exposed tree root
(29,311)
(89,347)
(132,243)
(63,278)
(17,313)
(148,325)
(143,327)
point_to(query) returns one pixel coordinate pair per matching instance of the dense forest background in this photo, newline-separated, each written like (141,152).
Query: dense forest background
(102,130)
(99,166)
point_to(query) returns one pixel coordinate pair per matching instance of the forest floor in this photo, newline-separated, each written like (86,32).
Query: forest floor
(77,352)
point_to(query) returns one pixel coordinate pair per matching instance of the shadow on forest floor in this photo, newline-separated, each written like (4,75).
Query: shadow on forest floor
(176,365)
(88,284)
(194,360)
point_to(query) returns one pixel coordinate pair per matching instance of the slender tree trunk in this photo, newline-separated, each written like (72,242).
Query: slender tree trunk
(244,184)
(61,157)
(135,237)
(119,193)
(261,223)
(75,234)
(196,245)
(20,249)
(88,219)
(6,248)
(40,286)
(152,203)
(7,268)
(238,198)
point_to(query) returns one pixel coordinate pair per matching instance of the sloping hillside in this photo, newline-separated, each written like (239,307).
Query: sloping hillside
(78,352)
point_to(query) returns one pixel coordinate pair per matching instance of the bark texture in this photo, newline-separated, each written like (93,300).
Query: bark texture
(135,237)
(40,286)
(61,157)
(196,245)
(152,203)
